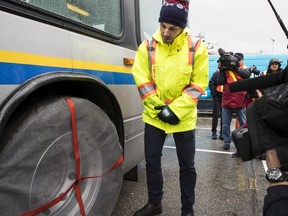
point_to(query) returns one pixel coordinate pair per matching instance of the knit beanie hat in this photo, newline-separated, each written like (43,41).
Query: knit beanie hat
(175,12)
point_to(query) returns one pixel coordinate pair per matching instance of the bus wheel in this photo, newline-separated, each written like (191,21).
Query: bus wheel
(37,159)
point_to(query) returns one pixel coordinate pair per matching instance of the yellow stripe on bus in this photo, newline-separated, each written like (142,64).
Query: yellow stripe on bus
(32,59)
(97,66)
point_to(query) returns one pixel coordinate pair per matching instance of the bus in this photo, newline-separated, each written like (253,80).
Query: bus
(261,61)
(69,108)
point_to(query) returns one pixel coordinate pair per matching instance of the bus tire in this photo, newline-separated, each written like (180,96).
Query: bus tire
(37,158)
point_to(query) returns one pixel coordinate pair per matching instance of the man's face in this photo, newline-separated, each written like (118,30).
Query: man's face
(169,32)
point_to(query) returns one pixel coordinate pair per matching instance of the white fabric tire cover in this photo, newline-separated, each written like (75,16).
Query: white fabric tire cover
(37,159)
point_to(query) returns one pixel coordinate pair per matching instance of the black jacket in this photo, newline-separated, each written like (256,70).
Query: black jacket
(216,95)
(275,202)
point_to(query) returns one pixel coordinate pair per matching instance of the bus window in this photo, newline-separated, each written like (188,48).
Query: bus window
(104,15)
(149,14)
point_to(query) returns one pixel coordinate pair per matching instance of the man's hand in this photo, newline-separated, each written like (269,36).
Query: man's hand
(166,115)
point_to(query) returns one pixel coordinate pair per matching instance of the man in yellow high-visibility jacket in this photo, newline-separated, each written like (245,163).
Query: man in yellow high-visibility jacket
(170,80)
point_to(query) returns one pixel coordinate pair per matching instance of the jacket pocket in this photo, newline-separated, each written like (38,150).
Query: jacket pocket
(183,77)
(157,72)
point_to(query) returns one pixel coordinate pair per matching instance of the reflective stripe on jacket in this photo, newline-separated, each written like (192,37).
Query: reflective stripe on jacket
(232,99)
(171,80)
(231,76)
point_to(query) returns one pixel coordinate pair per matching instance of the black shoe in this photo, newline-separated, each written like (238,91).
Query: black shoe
(214,136)
(220,137)
(236,154)
(149,210)
(226,146)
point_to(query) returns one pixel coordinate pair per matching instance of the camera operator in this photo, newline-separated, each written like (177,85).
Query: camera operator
(270,137)
(231,101)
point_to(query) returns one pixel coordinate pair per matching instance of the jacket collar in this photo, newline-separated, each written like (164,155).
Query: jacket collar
(177,43)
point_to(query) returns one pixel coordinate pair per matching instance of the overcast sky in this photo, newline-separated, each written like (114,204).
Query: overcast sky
(246,26)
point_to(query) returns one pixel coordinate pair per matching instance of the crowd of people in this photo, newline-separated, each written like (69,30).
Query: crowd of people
(225,103)
(171,73)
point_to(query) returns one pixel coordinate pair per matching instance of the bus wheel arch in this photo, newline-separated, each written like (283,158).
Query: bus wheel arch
(64,83)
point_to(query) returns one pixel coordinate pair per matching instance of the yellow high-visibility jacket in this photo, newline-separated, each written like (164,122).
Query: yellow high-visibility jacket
(172,80)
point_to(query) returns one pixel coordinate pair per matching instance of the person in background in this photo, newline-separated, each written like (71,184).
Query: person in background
(170,83)
(241,63)
(231,101)
(273,67)
(216,93)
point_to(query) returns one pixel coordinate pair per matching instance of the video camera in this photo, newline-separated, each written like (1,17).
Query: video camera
(227,60)
(230,61)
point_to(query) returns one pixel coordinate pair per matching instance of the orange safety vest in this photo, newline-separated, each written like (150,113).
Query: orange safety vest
(231,77)
(150,88)
(219,88)
(151,47)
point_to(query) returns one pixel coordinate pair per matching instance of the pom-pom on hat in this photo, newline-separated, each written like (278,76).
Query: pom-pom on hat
(175,12)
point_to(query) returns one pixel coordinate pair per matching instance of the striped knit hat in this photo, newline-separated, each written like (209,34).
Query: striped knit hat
(175,12)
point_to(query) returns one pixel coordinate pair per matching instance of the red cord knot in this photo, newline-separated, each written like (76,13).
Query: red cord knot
(77,181)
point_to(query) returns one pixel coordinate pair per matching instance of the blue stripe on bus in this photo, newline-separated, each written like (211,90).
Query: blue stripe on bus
(17,73)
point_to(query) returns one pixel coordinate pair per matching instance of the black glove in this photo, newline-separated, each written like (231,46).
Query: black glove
(166,115)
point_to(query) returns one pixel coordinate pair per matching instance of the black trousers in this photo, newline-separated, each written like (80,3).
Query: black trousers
(216,114)
(185,148)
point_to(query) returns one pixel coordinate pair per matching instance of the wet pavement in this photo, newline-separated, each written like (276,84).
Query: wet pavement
(226,186)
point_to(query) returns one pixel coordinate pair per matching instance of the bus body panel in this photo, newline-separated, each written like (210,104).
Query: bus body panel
(26,53)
